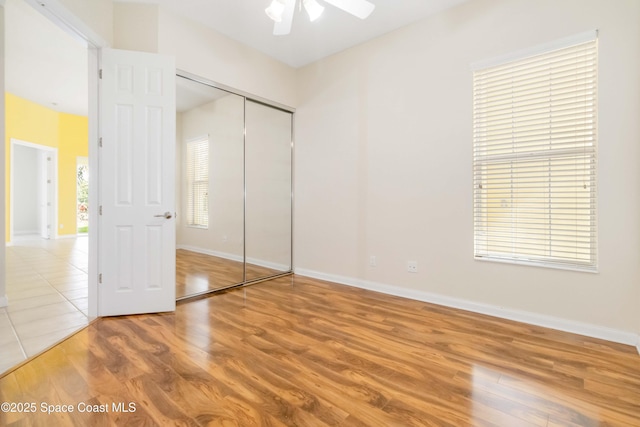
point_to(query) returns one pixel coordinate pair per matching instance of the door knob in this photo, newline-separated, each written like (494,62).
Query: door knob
(166,215)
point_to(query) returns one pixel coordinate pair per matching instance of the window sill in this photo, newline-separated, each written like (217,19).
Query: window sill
(201,227)
(577,268)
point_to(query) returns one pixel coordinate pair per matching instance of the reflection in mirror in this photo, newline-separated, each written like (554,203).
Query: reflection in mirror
(268,190)
(210,188)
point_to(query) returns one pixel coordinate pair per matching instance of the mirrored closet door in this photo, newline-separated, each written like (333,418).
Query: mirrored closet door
(233,188)
(268,191)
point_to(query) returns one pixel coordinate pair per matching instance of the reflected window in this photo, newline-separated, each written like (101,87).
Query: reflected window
(197,168)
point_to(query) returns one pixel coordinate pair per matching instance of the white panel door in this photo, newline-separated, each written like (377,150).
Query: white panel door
(137,180)
(43,194)
(47,172)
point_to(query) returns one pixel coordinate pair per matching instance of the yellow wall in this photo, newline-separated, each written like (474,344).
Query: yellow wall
(34,123)
(73,141)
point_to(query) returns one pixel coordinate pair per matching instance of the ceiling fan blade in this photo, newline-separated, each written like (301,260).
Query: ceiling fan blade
(359,8)
(283,27)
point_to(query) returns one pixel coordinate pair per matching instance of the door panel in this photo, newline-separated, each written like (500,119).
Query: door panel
(268,190)
(137,257)
(211,137)
(44,194)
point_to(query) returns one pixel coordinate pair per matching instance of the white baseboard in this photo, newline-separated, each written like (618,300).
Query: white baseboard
(565,325)
(26,238)
(267,264)
(26,233)
(4,301)
(68,236)
(234,257)
(225,255)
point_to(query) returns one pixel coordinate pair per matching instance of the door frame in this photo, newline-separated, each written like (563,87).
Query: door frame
(57,13)
(53,214)
(80,160)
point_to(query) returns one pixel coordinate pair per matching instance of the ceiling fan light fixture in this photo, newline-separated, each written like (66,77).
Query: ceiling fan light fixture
(358,8)
(275,10)
(314,10)
(283,11)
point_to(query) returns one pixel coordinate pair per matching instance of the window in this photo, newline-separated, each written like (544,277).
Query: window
(534,157)
(198,182)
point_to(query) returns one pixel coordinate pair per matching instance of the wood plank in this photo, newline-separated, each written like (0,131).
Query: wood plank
(197,272)
(299,351)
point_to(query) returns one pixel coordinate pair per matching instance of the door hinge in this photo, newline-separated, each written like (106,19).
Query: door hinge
(100,278)
(100,142)
(100,73)
(100,209)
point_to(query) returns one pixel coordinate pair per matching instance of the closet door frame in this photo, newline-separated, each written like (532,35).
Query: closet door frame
(268,103)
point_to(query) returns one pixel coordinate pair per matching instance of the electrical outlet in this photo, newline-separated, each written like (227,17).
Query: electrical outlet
(412,266)
(373,261)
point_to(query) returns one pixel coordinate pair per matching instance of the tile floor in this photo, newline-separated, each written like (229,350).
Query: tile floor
(47,292)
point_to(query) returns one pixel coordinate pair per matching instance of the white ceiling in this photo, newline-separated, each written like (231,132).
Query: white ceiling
(43,63)
(47,66)
(246,22)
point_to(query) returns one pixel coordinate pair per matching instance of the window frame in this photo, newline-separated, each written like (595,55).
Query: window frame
(481,201)
(194,185)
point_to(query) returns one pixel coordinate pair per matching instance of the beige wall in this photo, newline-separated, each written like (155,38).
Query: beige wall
(203,52)
(96,14)
(135,27)
(209,54)
(383,162)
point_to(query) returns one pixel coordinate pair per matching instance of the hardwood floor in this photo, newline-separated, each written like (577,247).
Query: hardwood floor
(196,272)
(298,351)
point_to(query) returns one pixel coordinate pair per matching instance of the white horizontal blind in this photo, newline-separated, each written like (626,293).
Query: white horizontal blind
(197,166)
(534,159)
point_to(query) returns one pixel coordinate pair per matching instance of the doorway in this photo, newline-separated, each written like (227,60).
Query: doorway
(33,191)
(47,265)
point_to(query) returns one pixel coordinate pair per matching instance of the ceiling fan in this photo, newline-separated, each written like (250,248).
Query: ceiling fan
(281,11)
